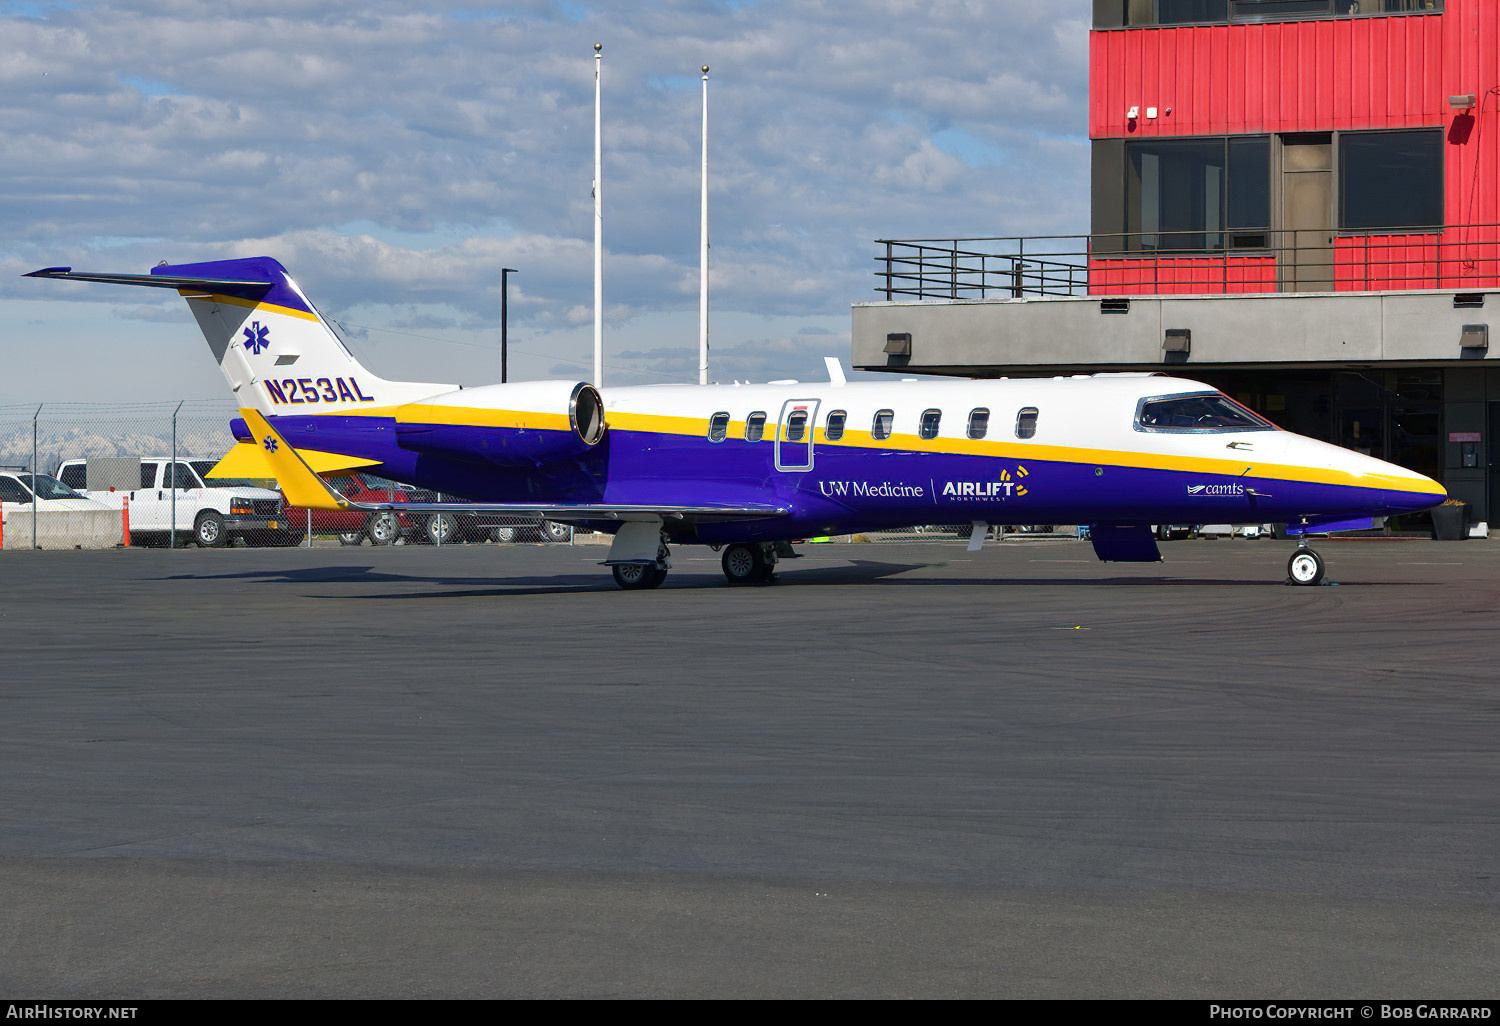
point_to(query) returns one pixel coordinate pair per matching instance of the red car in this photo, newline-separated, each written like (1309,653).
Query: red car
(354,526)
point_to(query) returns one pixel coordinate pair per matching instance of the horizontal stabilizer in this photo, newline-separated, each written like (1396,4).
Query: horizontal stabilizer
(219,286)
(249,460)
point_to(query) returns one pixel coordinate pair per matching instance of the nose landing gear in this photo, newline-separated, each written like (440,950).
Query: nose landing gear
(1305,567)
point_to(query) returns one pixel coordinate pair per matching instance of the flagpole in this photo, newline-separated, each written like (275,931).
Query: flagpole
(598,228)
(703,250)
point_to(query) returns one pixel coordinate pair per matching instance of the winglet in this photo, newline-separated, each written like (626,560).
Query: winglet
(297,480)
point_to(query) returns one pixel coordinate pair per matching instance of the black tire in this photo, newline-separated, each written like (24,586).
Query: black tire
(555,532)
(746,564)
(441,529)
(209,531)
(1305,567)
(506,534)
(351,537)
(638,576)
(383,528)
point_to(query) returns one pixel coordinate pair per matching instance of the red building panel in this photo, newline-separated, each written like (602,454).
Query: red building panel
(1343,74)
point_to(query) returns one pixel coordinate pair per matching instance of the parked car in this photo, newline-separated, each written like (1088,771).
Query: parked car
(176,496)
(353,526)
(21,488)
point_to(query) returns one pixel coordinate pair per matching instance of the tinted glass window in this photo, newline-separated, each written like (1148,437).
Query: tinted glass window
(881,428)
(1391,179)
(979,423)
(835,429)
(796,426)
(74,476)
(1114,13)
(48,487)
(718,427)
(755,427)
(148,475)
(183,478)
(1210,411)
(1182,194)
(11,491)
(1026,422)
(929,424)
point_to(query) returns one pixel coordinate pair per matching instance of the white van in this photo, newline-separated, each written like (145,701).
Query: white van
(210,511)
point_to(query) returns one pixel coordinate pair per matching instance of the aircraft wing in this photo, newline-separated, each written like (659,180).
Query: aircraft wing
(305,488)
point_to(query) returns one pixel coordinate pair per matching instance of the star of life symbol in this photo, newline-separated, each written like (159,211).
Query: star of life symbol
(271,445)
(255,338)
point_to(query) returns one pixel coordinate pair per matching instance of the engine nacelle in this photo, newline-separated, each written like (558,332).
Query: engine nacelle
(529,422)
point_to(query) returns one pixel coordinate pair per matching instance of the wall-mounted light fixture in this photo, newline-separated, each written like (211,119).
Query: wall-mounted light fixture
(1177,340)
(1461,103)
(1475,338)
(1132,113)
(898,343)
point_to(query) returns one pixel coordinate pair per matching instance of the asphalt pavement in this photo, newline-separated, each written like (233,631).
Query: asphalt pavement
(904,770)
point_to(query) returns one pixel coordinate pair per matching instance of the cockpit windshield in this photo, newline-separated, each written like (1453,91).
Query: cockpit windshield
(1204,412)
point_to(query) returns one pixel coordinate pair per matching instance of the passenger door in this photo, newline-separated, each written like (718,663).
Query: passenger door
(794,435)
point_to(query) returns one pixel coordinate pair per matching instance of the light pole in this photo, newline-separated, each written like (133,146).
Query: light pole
(505,273)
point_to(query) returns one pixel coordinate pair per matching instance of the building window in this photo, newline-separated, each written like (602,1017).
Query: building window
(928,427)
(1391,180)
(1192,195)
(718,427)
(979,422)
(1122,13)
(755,426)
(835,429)
(881,427)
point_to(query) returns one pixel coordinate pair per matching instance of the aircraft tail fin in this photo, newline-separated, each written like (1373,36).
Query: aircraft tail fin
(276,351)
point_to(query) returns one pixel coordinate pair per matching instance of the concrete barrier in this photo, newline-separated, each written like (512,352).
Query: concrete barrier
(62,529)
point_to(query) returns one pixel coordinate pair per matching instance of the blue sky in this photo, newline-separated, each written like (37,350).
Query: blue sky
(394,156)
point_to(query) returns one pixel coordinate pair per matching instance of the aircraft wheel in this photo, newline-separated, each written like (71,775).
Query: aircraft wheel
(638,576)
(1305,567)
(383,528)
(746,564)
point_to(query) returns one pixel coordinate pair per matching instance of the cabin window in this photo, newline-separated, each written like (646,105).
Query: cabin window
(796,426)
(835,429)
(1026,422)
(718,427)
(928,426)
(881,428)
(755,426)
(979,423)
(1204,412)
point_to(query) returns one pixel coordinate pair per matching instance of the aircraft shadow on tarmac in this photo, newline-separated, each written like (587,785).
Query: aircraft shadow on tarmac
(857,572)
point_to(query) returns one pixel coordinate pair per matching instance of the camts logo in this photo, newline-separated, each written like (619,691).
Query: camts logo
(1217,491)
(1006,486)
(255,338)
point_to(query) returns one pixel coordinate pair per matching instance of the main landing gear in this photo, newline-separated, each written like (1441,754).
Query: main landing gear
(750,563)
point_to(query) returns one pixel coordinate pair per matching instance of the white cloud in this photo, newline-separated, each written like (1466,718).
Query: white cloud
(459,138)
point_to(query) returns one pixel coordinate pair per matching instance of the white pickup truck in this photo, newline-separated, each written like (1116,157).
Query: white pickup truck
(210,511)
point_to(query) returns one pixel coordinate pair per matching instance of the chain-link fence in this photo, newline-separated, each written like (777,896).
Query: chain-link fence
(45,436)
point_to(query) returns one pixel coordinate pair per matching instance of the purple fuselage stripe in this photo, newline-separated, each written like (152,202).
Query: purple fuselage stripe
(849,489)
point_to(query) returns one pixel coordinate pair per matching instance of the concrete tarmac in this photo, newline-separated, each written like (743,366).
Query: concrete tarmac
(906,770)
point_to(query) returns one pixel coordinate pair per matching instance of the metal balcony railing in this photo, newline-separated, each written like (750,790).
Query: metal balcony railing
(1197,263)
